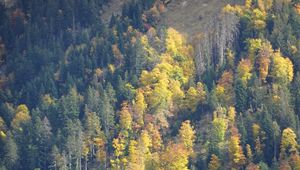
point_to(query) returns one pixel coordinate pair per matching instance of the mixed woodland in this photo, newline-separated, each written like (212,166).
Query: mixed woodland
(77,92)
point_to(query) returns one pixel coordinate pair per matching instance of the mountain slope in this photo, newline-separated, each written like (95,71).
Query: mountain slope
(189,16)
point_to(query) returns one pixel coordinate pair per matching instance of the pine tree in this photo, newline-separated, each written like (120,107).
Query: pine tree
(11,155)
(107,113)
(240,96)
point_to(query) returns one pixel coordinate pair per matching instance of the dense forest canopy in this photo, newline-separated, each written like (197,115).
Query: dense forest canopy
(80,92)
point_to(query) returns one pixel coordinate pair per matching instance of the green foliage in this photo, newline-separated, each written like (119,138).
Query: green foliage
(240,96)
(77,92)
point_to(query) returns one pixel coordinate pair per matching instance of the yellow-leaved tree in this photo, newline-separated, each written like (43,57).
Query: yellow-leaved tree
(244,70)
(195,96)
(282,69)
(231,113)
(224,89)
(119,161)
(236,154)
(288,142)
(176,43)
(187,135)
(2,128)
(22,116)
(263,60)
(155,136)
(125,117)
(264,5)
(214,163)
(175,157)
(181,52)
(140,107)
(134,156)
(254,45)
(144,147)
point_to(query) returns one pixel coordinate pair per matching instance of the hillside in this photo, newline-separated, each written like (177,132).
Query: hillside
(190,16)
(149,84)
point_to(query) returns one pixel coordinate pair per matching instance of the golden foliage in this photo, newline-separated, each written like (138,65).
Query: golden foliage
(235,149)
(140,107)
(162,85)
(187,134)
(177,93)
(195,96)
(295,161)
(228,9)
(160,96)
(282,69)
(288,141)
(85,150)
(236,9)
(224,89)
(135,158)
(22,116)
(2,128)
(231,113)
(119,151)
(145,142)
(125,117)
(214,163)
(265,5)
(100,145)
(259,18)
(2,134)
(155,136)
(293,49)
(219,127)
(175,157)
(255,130)
(248,3)
(263,61)
(253,47)
(111,68)
(297,8)
(244,70)
(2,124)
(180,51)
(174,42)
(249,152)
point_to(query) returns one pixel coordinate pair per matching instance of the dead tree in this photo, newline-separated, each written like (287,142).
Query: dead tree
(218,35)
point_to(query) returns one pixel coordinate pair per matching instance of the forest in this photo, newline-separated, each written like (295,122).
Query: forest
(79,92)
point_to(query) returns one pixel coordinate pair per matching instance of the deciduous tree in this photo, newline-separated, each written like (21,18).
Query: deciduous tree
(187,135)
(282,69)
(288,142)
(235,149)
(214,163)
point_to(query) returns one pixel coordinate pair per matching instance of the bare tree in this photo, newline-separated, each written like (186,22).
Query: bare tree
(218,35)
